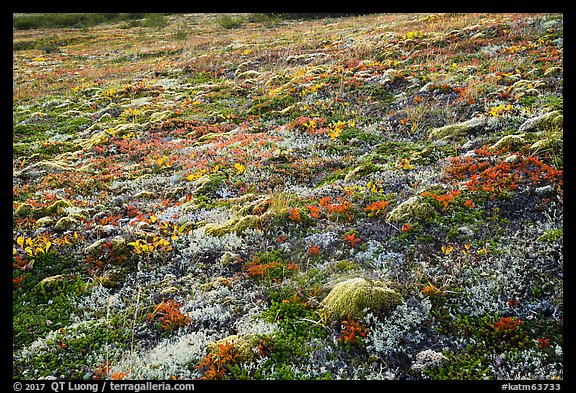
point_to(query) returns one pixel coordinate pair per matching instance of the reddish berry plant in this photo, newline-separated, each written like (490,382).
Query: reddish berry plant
(170,316)
(215,364)
(352,333)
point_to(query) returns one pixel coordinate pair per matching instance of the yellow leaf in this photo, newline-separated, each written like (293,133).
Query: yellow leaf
(152,218)
(239,168)
(29,251)
(13,251)
(20,241)
(47,247)
(447,249)
(275,91)
(405,164)
(162,160)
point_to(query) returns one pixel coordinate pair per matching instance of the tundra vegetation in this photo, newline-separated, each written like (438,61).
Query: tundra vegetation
(270,196)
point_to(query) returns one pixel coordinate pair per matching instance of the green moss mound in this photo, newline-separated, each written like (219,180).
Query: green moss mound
(413,208)
(456,132)
(243,345)
(235,225)
(350,298)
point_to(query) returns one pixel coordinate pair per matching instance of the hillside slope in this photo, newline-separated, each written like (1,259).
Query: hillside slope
(367,197)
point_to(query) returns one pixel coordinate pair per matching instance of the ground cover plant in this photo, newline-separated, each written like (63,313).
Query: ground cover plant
(265,196)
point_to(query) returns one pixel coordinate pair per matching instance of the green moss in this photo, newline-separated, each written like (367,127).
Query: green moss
(554,103)
(355,133)
(257,207)
(350,298)
(235,225)
(29,133)
(552,143)
(244,346)
(208,137)
(527,101)
(268,107)
(456,132)
(53,299)
(414,208)
(66,223)
(95,249)
(27,210)
(74,125)
(378,92)
(21,150)
(361,171)
(55,148)
(332,177)
(24,210)
(58,206)
(44,222)
(297,323)
(551,235)
(209,185)
(346,266)
(53,263)
(73,352)
(394,151)
(549,121)
(487,335)
(145,195)
(231,22)
(464,366)
(554,123)
(52,283)
(512,142)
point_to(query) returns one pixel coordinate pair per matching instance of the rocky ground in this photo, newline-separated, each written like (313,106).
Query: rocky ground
(367,197)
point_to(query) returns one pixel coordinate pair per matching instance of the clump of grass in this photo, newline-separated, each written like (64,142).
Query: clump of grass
(231,22)
(149,20)
(154,20)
